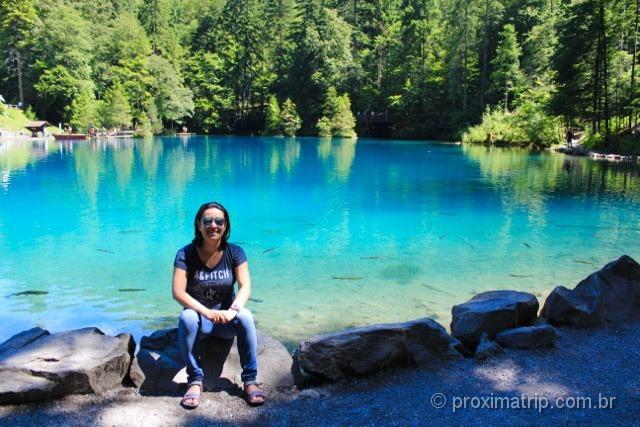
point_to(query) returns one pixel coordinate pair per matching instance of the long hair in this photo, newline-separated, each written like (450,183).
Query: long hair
(197,236)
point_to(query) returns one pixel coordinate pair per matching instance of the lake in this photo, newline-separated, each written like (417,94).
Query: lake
(337,232)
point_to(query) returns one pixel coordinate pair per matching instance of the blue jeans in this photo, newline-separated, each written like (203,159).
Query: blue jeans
(193,327)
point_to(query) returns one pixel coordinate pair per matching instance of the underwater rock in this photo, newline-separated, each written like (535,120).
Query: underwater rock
(27,293)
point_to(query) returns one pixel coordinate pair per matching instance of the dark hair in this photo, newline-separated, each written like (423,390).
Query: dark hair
(197,238)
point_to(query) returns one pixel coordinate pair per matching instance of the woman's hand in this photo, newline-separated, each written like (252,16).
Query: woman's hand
(216,316)
(229,315)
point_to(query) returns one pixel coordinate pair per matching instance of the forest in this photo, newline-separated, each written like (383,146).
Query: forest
(513,71)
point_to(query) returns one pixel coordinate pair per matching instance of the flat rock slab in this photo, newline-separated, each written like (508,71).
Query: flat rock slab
(492,312)
(160,369)
(363,350)
(37,366)
(528,337)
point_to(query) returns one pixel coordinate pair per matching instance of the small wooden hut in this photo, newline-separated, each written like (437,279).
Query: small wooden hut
(37,127)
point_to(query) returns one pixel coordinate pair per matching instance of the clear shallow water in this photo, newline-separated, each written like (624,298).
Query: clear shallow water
(338,233)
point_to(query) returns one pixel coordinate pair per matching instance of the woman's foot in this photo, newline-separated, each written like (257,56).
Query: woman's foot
(255,396)
(191,399)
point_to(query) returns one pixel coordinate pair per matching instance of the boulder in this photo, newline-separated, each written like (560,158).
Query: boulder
(492,312)
(564,307)
(37,366)
(613,293)
(163,369)
(487,348)
(363,350)
(528,337)
(23,338)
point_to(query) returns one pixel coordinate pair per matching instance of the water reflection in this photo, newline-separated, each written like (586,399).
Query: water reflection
(281,154)
(150,154)
(339,153)
(420,224)
(529,180)
(89,165)
(17,155)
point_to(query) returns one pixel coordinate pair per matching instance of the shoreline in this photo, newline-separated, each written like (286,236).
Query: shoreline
(383,373)
(583,364)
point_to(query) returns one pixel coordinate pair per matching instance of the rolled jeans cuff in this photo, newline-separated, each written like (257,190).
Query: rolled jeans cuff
(194,382)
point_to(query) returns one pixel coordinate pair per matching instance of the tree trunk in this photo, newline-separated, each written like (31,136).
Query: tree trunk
(633,65)
(595,125)
(605,69)
(19,68)
(485,48)
(464,62)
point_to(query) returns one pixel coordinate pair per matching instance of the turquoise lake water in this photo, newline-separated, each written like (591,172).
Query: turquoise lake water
(338,233)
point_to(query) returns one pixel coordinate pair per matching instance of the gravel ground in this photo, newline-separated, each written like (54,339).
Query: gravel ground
(596,364)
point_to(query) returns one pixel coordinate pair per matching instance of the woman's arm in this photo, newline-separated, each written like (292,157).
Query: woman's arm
(244,285)
(244,290)
(179,290)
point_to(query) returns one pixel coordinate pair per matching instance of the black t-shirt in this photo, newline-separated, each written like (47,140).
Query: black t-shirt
(212,287)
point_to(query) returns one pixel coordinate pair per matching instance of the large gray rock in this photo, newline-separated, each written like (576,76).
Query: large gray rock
(23,338)
(564,307)
(360,351)
(163,369)
(528,337)
(37,366)
(613,293)
(492,312)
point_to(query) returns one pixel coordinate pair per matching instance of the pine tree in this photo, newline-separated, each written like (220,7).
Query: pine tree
(506,77)
(289,118)
(321,58)
(18,23)
(116,112)
(272,119)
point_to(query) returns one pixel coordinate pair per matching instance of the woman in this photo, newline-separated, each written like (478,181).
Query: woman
(203,277)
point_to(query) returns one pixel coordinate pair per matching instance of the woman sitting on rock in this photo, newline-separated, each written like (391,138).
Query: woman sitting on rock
(203,277)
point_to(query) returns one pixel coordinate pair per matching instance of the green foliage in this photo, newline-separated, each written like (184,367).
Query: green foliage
(289,119)
(324,127)
(18,22)
(506,76)
(337,111)
(321,58)
(204,74)
(530,123)
(272,118)
(173,100)
(57,88)
(430,67)
(116,112)
(128,40)
(84,112)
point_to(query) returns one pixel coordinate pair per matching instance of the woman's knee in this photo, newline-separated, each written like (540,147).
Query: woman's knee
(189,319)
(245,317)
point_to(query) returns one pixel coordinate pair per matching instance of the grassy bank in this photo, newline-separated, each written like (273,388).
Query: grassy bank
(521,127)
(14,120)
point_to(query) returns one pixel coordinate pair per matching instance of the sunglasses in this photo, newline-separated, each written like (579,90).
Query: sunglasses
(208,220)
